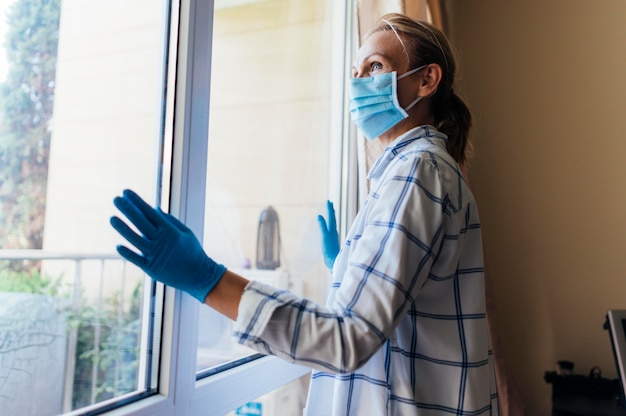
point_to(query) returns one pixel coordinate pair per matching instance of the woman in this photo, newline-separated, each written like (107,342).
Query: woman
(404,331)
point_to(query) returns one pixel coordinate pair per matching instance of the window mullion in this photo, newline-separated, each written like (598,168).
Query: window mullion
(187,194)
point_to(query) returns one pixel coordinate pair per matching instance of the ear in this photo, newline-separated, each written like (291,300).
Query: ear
(430,80)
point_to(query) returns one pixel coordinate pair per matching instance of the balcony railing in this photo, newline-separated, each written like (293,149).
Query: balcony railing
(95,323)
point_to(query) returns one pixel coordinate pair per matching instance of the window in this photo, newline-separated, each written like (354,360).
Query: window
(119,116)
(268,159)
(275,148)
(78,123)
(269,142)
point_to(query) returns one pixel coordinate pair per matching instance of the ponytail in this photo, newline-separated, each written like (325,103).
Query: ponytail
(453,118)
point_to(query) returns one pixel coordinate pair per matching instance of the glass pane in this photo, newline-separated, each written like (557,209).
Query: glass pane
(80,120)
(268,160)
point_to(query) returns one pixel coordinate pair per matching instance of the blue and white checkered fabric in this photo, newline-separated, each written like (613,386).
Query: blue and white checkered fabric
(405,330)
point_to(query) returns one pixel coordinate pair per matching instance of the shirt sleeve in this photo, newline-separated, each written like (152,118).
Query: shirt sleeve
(387,264)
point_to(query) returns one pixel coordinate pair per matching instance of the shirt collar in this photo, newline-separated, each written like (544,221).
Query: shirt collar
(401,143)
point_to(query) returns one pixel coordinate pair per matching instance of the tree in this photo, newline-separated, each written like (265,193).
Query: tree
(26,104)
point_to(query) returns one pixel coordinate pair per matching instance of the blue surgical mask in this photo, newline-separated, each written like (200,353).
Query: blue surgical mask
(374,106)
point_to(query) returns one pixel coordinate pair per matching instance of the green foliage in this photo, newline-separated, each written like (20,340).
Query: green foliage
(115,357)
(107,337)
(26,103)
(29,282)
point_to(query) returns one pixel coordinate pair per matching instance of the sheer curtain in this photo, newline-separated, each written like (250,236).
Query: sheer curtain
(433,11)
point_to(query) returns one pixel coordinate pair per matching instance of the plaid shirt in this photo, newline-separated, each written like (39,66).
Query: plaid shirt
(404,331)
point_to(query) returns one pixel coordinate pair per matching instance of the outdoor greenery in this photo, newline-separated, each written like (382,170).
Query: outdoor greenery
(28,282)
(26,104)
(107,337)
(116,356)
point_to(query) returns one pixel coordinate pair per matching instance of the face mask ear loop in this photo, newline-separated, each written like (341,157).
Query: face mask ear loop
(406,74)
(415,101)
(411,72)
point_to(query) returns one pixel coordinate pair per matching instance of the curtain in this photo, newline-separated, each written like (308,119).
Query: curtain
(433,11)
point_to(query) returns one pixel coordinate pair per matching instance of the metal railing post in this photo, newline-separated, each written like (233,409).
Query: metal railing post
(72,338)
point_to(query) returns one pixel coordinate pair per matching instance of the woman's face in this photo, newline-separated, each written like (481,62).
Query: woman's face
(382,52)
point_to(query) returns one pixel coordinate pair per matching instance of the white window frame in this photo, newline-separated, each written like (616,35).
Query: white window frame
(187,119)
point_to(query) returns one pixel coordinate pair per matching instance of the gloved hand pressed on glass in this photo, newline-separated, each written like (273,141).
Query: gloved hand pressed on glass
(330,236)
(170,252)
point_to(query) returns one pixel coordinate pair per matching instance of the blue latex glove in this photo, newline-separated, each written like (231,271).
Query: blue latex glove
(170,252)
(330,236)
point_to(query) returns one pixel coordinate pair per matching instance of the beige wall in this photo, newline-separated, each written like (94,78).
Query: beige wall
(106,118)
(269,132)
(547,84)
